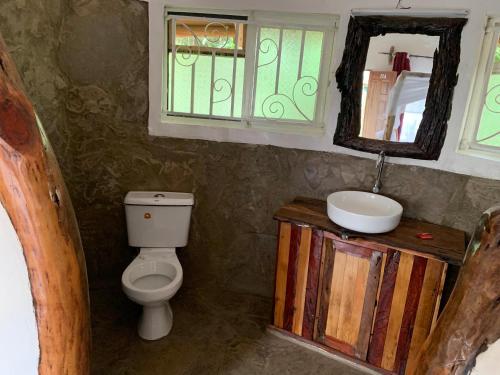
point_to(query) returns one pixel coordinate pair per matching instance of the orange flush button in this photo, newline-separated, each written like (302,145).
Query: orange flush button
(147,215)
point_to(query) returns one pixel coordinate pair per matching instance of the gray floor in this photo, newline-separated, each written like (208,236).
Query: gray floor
(219,334)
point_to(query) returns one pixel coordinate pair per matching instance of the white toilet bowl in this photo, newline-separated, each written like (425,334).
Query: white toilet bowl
(152,278)
(157,223)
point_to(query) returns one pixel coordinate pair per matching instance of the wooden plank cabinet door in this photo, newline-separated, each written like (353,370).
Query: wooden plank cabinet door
(407,307)
(297,278)
(349,280)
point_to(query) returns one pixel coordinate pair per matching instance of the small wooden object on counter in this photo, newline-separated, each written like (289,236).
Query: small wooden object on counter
(471,319)
(371,297)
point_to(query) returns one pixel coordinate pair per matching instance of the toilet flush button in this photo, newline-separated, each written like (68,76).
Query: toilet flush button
(147,215)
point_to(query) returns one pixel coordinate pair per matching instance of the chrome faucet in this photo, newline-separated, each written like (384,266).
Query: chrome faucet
(380,168)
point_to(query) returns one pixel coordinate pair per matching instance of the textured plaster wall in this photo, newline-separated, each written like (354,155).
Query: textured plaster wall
(31,31)
(85,65)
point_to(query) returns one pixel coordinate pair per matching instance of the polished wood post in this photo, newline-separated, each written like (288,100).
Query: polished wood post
(34,195)
(471,319)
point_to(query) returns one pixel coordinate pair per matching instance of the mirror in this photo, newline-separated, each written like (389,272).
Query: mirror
(395,83)
(397,78)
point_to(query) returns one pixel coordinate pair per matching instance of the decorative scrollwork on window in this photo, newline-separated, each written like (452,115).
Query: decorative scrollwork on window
(222,85)
(187,55)
(268,47)
(492,104)
(215,35)
(273,106)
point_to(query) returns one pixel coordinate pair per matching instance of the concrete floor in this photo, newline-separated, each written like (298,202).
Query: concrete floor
(218,334)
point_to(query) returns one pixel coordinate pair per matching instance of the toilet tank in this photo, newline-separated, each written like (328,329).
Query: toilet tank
(158,218)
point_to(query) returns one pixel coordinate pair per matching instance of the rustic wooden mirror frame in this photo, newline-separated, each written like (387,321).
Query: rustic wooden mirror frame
(432,131)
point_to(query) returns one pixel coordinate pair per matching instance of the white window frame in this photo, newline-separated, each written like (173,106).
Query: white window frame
(468,144)
(246,130)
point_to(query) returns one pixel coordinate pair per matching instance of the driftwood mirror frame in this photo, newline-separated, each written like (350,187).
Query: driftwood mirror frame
(432,131)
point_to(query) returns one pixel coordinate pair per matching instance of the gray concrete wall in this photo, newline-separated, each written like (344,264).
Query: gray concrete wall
(31,31)
(86,70)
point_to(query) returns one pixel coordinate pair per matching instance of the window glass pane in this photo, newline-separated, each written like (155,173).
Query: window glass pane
(202,85)
(267,63)
(489,128)
(182,91)
(222,88)
(290,60)
(287,73)
(201,64)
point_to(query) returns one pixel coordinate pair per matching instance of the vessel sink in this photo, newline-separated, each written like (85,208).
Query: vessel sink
(364,212)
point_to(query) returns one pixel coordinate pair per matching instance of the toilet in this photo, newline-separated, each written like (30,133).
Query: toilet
(157,223)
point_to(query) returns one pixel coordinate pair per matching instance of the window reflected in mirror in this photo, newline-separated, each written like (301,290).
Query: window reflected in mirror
(395,84)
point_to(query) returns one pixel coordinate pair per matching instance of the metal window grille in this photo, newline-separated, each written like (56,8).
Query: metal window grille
(487,128)
(232,68)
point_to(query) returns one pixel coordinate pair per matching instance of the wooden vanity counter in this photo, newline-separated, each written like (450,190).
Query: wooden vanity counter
(372,297)
(448,244)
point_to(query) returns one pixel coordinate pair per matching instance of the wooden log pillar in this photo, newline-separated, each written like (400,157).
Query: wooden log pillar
(34,195)
(471,319)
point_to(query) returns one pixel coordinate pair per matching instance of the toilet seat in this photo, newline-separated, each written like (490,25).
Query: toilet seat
(152,279)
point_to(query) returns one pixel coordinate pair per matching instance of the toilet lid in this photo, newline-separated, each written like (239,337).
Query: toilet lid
(159,198)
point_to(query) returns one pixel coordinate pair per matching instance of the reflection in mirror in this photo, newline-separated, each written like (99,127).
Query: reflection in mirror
(395,84)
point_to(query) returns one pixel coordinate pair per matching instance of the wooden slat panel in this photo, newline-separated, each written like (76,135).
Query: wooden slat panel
(410,313)
(291,278)
(337,286)
(353,249)
(325,279)
(281,273)
(319,321)
(376,348)
(439,296)
(397,310)
(345,322)
(339,345)
(425,311)
(312,288)
(301,280)
(384,261)
(352,325)
(372,287)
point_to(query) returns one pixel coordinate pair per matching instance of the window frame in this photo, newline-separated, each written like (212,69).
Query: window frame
(161,123)
(472,120)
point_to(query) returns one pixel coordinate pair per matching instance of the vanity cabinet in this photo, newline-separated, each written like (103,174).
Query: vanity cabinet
(374,298)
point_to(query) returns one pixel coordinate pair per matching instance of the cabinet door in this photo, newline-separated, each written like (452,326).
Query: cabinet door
(297,277)
(407,306)
(349,282)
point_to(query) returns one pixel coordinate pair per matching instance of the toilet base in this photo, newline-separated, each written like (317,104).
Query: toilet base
(156,321)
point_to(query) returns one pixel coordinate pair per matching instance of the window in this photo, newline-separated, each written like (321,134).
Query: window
(206,63)
(258,70)
(481,134)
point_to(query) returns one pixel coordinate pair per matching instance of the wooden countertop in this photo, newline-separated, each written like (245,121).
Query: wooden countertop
(448,244)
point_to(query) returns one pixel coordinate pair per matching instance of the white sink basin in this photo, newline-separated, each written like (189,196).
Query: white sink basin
(364,212)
